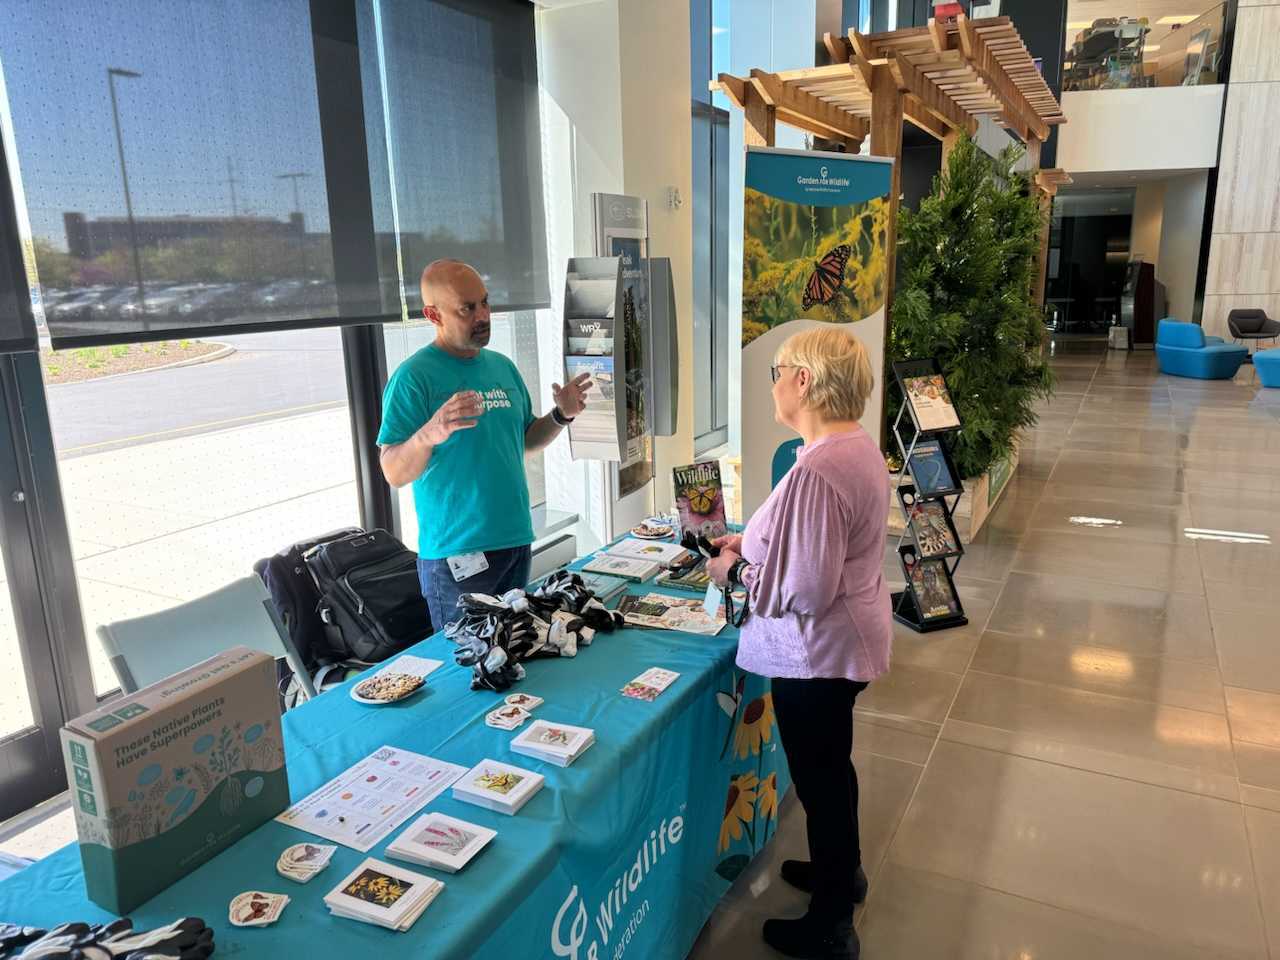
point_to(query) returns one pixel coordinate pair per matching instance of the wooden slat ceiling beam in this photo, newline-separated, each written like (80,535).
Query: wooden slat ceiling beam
(950,74)
(1050,180)
(994,51)
(800,108)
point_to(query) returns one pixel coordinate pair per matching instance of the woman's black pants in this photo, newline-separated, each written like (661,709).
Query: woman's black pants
(815,724)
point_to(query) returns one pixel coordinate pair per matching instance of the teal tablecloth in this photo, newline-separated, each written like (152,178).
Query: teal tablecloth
(626,851)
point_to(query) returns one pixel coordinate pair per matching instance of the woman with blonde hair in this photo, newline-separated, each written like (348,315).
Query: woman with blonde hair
(820,624)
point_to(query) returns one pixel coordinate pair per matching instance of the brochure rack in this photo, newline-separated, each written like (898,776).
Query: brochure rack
(928,489)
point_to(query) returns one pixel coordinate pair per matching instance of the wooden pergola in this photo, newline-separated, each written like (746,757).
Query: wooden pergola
(941,78)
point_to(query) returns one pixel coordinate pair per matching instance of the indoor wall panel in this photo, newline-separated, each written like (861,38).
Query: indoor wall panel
(1256,55)
(1244,263)
(1248,188)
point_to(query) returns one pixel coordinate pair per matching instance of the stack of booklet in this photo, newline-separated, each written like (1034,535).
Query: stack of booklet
(653,551)
(556,743)
(626,568)
(384,895)
(498,786)
(604,587)
(442,842)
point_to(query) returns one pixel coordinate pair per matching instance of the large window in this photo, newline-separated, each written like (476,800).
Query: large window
(190,165)
(177,479)
(709,33)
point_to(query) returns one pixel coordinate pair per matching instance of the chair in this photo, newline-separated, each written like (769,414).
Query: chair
(1182,350)
(147,649)
(1267,364)
(784,458)
(1250,323)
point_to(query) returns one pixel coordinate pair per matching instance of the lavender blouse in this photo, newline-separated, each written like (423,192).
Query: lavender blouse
(815,549)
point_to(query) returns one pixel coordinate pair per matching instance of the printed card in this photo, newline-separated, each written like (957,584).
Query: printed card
(526,701)
(559,738)
(378,891)
(507,717)
(441,841)
(649,684)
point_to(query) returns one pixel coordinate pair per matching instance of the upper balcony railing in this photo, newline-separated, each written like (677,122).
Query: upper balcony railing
(1126,53)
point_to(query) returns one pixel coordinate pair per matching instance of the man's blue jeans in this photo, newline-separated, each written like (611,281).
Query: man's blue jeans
(507,568)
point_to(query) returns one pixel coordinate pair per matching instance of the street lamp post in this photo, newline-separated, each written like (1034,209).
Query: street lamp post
(293,178)
(112,73)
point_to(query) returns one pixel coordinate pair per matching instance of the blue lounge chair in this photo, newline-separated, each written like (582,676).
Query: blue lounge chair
(1182,350)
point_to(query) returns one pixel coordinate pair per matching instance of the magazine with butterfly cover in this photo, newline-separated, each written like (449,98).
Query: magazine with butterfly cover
(928,400)
(815,227)
(699,497)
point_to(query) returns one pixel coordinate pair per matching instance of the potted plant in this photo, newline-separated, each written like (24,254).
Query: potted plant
(965,265)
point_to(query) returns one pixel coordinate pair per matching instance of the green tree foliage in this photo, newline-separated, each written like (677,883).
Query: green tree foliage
(965,268)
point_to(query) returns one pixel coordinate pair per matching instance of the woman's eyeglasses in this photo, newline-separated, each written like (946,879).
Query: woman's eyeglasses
(773,371)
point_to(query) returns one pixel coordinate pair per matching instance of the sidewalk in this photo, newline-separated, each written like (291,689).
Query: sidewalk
(159,523)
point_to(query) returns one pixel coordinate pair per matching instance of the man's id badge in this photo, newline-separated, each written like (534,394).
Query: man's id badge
(467,565)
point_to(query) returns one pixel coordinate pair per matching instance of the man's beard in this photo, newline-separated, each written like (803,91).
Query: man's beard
(480,336)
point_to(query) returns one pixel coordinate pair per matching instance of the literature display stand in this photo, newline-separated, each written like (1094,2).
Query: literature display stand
(929,549)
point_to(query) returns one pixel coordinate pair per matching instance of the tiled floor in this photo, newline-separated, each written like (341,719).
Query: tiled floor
(1091,768)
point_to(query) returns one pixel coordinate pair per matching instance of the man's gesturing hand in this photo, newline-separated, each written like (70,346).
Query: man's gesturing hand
(571,399)
(459,412)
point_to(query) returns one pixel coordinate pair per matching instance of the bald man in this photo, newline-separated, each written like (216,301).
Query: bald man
(457,422)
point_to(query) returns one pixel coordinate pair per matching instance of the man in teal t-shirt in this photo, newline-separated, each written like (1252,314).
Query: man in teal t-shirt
(457,422)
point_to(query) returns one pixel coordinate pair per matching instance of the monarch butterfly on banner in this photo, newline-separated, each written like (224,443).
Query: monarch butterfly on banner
(828,274)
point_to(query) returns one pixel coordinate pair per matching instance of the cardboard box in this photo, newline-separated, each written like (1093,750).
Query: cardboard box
(165,778)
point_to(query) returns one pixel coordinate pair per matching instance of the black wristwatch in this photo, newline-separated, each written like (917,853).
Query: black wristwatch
(560,418)
(735,572)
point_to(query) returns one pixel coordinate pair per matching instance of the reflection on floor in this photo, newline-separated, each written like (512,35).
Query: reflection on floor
(1091,768)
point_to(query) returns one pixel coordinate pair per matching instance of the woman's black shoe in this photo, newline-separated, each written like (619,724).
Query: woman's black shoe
(811,939)
(799,873)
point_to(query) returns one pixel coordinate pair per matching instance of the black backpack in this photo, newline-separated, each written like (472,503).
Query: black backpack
(294,594)
(371,603)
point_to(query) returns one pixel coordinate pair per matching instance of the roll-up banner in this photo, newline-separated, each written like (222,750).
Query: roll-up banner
(815,228)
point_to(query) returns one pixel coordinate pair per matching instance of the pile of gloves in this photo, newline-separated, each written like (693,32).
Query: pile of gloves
(186,939)
(495,634)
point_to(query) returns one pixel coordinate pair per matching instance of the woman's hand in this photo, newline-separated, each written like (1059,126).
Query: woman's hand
(718,567)
(730,541)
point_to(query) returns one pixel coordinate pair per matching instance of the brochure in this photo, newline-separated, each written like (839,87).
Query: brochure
(366,802)
(931,404)
(934,593)
(693,581)
(931,525)
(932,471)
(590,336)
(664,612)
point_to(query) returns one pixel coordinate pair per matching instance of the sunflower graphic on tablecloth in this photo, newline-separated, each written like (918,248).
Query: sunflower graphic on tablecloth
(756,727)
(767,796)
(739,808)
(751,802)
